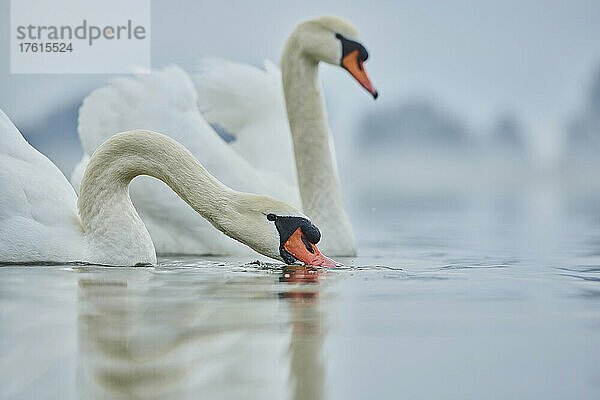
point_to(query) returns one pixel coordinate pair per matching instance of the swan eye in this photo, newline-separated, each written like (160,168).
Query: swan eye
(271,217)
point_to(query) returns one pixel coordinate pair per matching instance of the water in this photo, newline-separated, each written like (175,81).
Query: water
(483,299)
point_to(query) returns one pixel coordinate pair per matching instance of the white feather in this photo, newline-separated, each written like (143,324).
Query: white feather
(248,102)
(37,204)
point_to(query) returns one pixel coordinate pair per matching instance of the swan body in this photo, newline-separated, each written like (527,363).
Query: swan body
(282,145)
(43,220)
(36,203)
(248,101)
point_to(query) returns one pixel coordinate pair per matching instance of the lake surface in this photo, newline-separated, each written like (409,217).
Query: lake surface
(493,299)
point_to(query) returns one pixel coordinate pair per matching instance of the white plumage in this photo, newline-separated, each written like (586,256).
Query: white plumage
(38,206)
(249,101)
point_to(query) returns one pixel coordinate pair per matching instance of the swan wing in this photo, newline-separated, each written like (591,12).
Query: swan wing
(38,206)
(248,102)
(166,101)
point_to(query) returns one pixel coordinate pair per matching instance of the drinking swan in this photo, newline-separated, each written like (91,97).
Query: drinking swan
(41,218)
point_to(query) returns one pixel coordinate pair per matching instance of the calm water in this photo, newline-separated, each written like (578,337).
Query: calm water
(492,300)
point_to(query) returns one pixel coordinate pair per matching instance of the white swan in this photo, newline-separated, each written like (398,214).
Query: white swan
(248,102)
(41,218)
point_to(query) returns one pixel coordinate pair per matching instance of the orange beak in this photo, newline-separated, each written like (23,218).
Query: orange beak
(356,68)
(299,247)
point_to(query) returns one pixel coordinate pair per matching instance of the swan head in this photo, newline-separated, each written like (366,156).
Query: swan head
(335,41)
(277,230)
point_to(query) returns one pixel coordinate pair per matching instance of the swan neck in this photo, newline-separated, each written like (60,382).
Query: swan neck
(104,202)
(317,178)
(308,125)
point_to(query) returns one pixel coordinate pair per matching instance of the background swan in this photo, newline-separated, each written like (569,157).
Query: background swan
(43,220)
(249,103)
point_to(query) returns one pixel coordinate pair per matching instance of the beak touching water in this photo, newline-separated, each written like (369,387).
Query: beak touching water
(353,64)
(299,247)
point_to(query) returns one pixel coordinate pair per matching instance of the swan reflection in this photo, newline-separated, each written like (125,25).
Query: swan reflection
(308,332)
(251,335)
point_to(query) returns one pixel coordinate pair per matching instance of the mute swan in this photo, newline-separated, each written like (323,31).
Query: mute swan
(39,218)
(249,103)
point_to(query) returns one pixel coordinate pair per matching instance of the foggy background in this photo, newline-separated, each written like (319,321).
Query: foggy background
(493,103)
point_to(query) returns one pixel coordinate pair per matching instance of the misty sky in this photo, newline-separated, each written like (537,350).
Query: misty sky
(476,58)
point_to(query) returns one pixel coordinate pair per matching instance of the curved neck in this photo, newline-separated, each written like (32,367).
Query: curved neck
(318,183)
(105,207)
